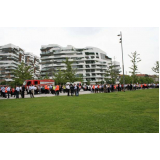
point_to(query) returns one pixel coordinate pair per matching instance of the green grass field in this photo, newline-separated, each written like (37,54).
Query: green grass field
(123,112)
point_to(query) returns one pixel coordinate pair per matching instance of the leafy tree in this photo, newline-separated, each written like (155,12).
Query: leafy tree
(156,68)
(69,73)
(59,77)
(79,78)
(147,80)
(141,80)
(127,78)
(22,73)
(111,73)
(46,76)
(88,83)
(134,68)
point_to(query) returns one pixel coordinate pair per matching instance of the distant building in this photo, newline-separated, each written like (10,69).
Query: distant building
(10,58)
(33,61)
(90,62)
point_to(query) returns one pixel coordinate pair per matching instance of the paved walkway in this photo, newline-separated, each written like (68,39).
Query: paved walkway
(47,95)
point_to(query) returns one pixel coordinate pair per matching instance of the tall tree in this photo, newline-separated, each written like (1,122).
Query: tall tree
(134,68)
(22,73)
(111,73)
(59,77)
(69,73)
(128,79)
(156,68)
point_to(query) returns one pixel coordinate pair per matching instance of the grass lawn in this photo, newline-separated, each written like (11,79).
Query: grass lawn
(123,112)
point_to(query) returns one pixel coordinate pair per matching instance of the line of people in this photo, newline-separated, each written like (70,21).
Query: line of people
(70,89)
(98,88)
(7,91)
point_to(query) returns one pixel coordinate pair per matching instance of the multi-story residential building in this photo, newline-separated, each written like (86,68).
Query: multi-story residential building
(90,62)
(10,58)
(33,61)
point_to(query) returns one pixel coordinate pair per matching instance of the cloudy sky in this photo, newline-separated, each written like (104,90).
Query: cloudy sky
(143,40)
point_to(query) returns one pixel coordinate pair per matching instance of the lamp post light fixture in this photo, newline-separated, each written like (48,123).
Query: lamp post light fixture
(122,58)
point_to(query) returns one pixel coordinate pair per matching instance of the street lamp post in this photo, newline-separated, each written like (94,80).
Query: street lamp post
(122,58)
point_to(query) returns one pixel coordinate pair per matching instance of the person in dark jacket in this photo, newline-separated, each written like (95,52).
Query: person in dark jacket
(72,89)
(23,90)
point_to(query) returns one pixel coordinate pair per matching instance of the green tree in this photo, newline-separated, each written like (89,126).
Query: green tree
(127,78)
(22,73)
(141,80)
(156,68)
(69,73)
(59,77)
(46,76)
(134,68)
(146,79)
(79,78)
(88,82)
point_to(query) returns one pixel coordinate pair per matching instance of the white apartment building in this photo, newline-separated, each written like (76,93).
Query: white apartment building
(90,62)
(10,58)
(33,61)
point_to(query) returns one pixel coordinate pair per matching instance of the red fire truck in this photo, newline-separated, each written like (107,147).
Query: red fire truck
(38,82)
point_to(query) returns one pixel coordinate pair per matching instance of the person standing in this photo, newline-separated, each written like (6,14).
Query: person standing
(96,89)
(23,90)
(13,92)
(77,90)
(8,91)
(32,91)
(93,87)
(46,89)
(64,88)
(17,91)
(118,88)
(72,89)
(30,87)
(3,91)
(68,89)
(53,92)
(57,90)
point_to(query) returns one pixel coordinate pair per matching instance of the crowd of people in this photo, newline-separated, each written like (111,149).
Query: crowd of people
(117,87)
(70,89)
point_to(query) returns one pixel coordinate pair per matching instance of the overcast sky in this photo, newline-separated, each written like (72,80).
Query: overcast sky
(143,40)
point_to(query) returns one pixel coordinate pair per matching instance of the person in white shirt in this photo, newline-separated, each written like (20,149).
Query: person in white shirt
(8,91)
(32,91)
(68,89)
(75,89)
(17,92)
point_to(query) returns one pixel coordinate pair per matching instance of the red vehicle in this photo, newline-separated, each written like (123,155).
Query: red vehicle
(38,82)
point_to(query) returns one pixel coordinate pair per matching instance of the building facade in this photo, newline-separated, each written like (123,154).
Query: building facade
(33,61)
(90,62)
(10,57)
